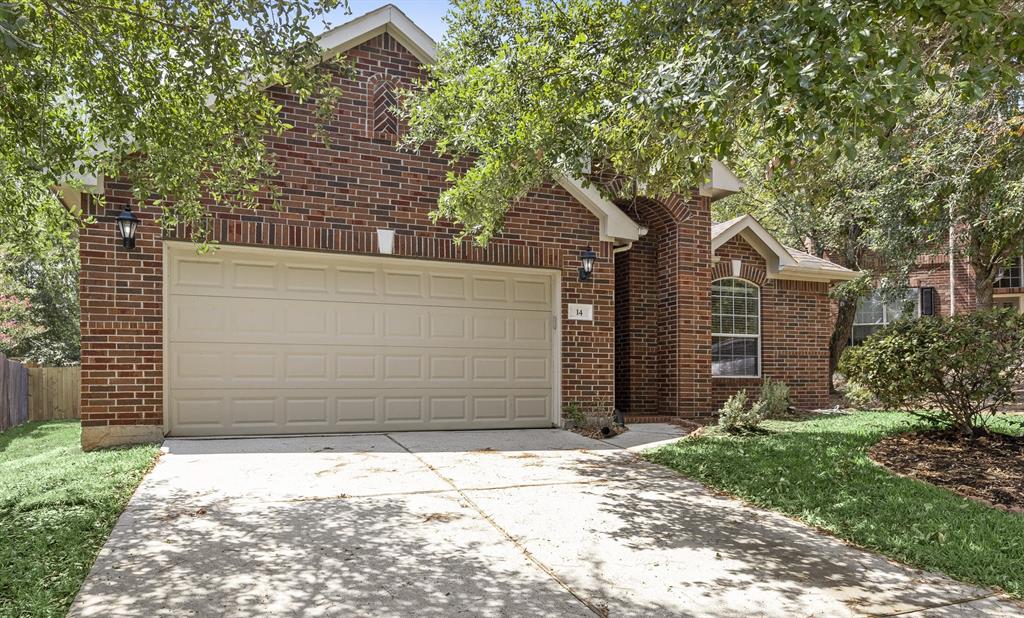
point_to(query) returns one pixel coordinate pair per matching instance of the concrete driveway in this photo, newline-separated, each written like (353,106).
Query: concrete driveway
(494,523)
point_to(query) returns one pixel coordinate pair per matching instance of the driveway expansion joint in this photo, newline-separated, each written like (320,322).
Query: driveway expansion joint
(596,609)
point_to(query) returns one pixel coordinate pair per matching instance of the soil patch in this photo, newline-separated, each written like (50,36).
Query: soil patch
(594,431)
(990,470)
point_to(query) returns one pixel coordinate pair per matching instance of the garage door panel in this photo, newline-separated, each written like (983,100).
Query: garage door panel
(270,341)
(251,320)
(253,366)
(296,411)
(235,273)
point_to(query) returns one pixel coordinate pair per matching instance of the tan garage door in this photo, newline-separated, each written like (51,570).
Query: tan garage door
(271,341)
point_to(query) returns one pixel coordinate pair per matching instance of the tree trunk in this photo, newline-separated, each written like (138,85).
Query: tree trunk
(849,256)
(983,288)
(985,273)
(840,337)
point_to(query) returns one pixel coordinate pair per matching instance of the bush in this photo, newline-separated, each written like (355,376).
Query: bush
(737,415)
(859,396)
(775,397)
(955,371)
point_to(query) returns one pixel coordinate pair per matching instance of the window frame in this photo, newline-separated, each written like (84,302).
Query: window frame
(1019,265)
(886,320)
(758,336)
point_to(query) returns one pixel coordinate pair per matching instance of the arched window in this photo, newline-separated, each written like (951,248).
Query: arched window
(384,103)
(735,328)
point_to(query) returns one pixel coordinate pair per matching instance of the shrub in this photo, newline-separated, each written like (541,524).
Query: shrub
(573,413)
(859,396)
(954,371)
(737,415)
(775,397)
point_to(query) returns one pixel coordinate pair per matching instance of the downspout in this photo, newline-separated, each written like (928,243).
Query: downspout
(952,267)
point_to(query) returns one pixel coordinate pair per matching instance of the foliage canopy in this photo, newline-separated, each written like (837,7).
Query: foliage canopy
(655,90)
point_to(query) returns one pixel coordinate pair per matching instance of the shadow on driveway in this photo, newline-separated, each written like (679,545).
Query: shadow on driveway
(493,523)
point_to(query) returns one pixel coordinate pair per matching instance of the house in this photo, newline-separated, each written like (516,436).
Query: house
(347,309)
(935,289)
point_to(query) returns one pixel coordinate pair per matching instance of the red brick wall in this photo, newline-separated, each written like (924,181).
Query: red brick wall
(795,328)
(333,200)
(121,296)
(664,343)
(933,271)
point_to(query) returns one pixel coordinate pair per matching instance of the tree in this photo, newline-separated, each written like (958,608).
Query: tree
(170,94)
(966,160)
(856,212)
(17,324)
(655,90)
(39,265)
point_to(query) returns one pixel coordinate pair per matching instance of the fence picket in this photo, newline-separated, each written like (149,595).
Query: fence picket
(13,393)
(54,393)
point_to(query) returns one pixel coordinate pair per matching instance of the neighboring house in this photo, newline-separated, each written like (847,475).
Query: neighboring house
(348,310)
(931,285)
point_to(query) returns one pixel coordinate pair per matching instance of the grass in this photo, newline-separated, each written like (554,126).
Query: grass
(57,507)
(817,470)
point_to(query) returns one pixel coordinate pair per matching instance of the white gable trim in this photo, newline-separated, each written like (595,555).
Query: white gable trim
(722,182)
(781,263)
(615,224)
(388,18)
(759,238)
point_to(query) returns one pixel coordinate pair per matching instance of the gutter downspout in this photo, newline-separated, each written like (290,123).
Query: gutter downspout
(952,267)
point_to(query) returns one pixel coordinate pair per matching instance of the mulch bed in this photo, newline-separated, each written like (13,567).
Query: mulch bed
(990,470)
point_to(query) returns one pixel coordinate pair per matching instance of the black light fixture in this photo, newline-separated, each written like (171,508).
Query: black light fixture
(587,257)
(127,222)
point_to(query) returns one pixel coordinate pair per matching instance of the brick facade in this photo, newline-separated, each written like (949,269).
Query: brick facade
(648,348)
(664,302)
(795,328)
(933,271)
(333,199)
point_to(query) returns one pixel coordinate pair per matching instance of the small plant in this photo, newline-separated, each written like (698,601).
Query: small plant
(859,396)
(775,397)
(737,415)
(574,413)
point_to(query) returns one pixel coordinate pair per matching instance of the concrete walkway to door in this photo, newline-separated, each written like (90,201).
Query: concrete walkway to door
(491,523)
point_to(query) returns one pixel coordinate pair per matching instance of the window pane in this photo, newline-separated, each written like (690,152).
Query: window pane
(906,305)
(869,310)
(860,333)
(735,310)
(734,356)
(1010,276)
(734,307)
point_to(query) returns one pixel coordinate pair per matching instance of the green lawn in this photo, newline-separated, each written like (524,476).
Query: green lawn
(817,470)
(57,506)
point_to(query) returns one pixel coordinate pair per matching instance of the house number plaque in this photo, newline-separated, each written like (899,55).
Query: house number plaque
(581,312)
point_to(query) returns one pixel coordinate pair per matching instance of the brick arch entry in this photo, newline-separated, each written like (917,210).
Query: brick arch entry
(663,311)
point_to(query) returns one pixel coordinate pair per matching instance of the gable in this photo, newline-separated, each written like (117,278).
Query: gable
(387,19)
(781,262)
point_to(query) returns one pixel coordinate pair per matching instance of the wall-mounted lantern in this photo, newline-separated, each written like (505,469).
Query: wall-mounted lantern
(127,223)
(587,258)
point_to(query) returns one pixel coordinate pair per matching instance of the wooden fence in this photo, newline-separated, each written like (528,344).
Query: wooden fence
(53,393)
(13,393)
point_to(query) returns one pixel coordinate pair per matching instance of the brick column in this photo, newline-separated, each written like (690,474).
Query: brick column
(121,296)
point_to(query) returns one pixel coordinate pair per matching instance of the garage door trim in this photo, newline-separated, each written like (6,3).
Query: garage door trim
(173,249)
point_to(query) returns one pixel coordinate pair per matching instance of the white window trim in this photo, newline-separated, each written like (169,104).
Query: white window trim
(758,336)
(1019,298)
(885,312)
(1020,265)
